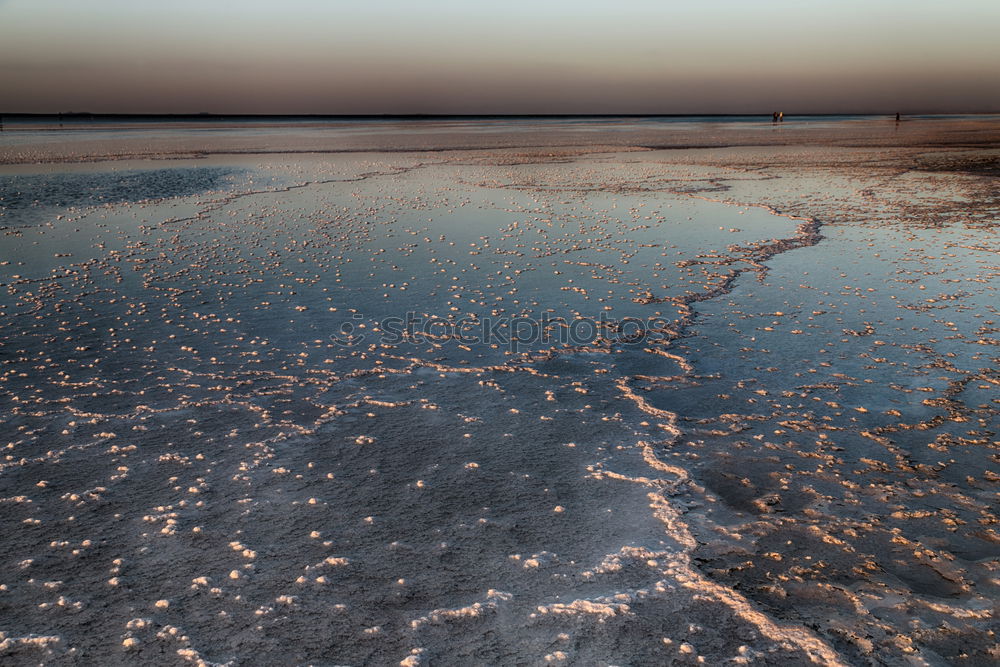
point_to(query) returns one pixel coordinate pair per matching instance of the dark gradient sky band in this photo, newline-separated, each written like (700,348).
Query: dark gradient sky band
(391,56)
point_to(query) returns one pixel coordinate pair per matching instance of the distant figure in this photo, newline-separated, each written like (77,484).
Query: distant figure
(774,117)
(781,116)
(897,116)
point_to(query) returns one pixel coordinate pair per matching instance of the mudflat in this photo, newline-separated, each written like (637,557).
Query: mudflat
(500,392)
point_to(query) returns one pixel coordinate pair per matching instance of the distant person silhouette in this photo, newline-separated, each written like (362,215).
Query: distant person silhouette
(897,116)
(781,116)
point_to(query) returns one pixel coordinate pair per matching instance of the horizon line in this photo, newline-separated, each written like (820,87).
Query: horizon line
(413,116)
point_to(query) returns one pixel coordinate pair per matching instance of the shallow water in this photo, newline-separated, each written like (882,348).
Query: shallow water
(392,408)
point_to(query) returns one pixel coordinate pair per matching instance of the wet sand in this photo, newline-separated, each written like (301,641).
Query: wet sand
(39,142)
(217,452)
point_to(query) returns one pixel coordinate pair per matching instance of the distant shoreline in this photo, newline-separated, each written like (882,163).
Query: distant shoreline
(83,115)
(43,139)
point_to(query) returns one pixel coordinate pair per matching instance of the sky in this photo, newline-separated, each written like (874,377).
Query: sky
(515,56)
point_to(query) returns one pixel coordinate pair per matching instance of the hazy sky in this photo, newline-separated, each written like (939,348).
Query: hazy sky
(515,56)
